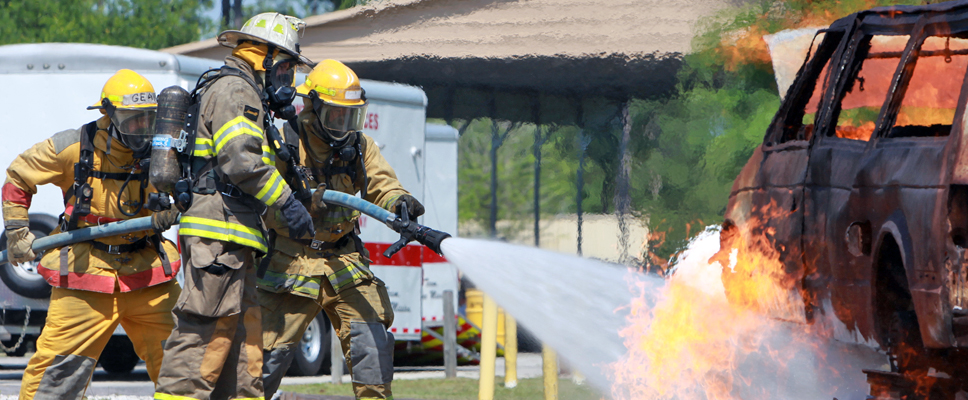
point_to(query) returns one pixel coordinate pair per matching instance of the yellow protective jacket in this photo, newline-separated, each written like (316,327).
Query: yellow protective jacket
(230,141)
(85,267)
(297,267)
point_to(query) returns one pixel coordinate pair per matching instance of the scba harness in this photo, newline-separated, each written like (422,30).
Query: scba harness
(199,174)
(83,194)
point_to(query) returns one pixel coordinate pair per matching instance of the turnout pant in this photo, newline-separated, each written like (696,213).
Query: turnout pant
(360,314)
(79,325)
(215,350)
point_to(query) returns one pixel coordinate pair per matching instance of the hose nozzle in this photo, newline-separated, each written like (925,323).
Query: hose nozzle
(411,231)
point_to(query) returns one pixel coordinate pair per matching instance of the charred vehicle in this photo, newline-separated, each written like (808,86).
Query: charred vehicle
(857,199)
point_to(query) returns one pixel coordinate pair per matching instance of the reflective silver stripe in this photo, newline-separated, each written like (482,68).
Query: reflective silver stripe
(297,283)
(347,275)
(270,193)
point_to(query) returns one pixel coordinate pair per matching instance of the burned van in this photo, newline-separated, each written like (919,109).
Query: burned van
(856,202)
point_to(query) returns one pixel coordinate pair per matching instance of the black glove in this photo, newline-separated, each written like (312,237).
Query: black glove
(163,220)
(317,205)
(299,222)
(414,208)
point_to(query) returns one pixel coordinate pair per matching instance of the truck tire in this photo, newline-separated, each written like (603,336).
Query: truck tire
(312,352)
(118,356)
(24,279)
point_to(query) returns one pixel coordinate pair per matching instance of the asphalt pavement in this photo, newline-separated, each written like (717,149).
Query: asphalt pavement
(137,386)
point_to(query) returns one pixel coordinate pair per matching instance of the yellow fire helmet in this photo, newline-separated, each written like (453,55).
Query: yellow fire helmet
(337,98)
(127,90)
(334,83)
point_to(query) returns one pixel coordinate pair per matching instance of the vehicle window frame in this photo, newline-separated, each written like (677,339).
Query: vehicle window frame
(926,27)
(859,46)
(900,81)
(793,107)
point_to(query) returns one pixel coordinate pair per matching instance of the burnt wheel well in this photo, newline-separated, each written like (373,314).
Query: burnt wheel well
(891,291)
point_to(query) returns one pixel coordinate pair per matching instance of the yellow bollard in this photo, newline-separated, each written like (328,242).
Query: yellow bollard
(549,365)
(510,352)
(488,349)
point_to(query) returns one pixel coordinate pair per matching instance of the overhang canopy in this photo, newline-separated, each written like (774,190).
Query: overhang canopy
(510,59)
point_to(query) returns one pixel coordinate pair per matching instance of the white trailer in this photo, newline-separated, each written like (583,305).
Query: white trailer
(68,77)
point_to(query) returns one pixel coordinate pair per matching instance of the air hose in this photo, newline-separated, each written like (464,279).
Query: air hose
(408,230)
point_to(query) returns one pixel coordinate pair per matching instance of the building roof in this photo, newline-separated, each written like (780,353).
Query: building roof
(612,49)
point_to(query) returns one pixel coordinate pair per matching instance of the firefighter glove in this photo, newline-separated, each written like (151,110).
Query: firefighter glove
(298,219)
(318,205)
(163,220)
(414,208)
(19,240)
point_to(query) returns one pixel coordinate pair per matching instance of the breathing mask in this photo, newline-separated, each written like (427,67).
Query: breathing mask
(134,126)
(280,79)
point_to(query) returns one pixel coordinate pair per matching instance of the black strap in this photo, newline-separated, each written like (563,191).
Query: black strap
(321,245)
(83,170)
(162,255)
(119,176)
(267,259)
(121,248)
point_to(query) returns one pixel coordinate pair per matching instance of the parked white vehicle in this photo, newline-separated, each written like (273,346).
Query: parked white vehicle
(68,77)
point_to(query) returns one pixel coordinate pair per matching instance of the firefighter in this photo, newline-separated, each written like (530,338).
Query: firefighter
(330,272)
(215,350)
(126,279)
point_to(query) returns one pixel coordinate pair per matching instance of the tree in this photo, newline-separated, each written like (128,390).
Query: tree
(296,8)
(151,24)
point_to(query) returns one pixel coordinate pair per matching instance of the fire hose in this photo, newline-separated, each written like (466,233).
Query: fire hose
(409,230)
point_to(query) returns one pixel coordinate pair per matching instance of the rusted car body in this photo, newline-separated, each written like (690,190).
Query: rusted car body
(861,183)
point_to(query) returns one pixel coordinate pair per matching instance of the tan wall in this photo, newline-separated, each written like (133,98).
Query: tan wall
(600,234)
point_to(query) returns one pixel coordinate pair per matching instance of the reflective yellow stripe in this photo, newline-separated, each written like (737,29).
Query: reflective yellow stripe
(165,396)
(222,230)
(272,189)
(204,148)
(234,128)
(389,202)
(268,156)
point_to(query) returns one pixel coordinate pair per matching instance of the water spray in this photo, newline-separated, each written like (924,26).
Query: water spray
(409,230)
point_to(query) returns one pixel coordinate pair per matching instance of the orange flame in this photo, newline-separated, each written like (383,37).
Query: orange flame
(689,343)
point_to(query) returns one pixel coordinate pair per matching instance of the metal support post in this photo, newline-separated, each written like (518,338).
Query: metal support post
(336,358)
(488,349)
(549,367)
(450,335)
(510,351)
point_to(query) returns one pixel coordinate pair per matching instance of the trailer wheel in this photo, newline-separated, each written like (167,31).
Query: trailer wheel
(24,279)
(312,352)
(118,356)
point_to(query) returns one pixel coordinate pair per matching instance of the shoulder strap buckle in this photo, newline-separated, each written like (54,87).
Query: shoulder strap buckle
(180,143)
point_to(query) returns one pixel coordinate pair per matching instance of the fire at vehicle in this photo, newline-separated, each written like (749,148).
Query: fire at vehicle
(851,217)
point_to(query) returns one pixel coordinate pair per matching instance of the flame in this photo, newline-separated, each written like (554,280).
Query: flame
(690,340)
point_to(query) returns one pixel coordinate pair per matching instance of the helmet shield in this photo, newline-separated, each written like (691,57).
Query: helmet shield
(339,121)
(135,126)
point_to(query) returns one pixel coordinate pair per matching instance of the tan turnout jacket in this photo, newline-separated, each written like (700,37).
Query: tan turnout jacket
(297,268)
(231,135)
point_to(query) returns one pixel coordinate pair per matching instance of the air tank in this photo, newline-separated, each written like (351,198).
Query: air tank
(165,170)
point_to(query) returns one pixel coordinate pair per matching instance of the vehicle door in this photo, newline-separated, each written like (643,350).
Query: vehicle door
(766,207)
(901,186)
